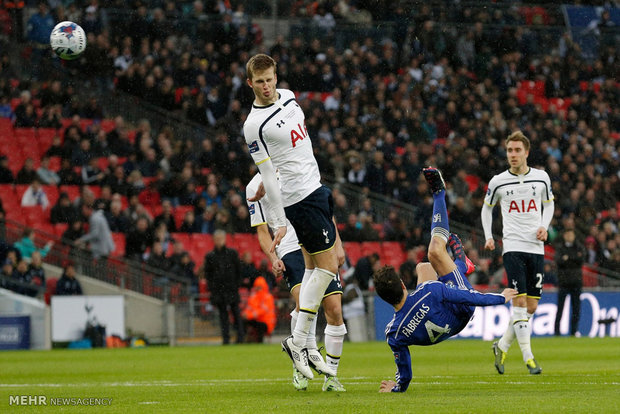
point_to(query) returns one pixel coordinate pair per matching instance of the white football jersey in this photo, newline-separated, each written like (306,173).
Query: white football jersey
(521,199)
(278,131)
(260,214)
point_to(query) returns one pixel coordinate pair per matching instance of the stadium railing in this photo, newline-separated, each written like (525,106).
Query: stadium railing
(122,272)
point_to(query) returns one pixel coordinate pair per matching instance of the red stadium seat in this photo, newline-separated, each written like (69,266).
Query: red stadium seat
(60,228)
(119,245)
(371,247)
(20,189)
(55,164)
(6,124)
(46,137)
(179,214)
(472,182)
(183,238)
(35,215)
(393,254)
(7,194)
(107,125)
(50,289)
(353,250)
(52,194)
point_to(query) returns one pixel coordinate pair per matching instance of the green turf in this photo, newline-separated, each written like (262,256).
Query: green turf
(457,376)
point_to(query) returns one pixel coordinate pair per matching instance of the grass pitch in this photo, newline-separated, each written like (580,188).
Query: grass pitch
(457,376)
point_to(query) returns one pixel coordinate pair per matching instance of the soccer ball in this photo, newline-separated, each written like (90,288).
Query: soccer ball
(68,40)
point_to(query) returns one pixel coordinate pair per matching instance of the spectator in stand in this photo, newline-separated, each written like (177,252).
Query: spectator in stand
(570,257)
(364,269)
(259,315)
(117,221)
(354,310)
(6,175)
(407,270)
(68,284)
(116,181)
(104,200)
(223,271)
(189,224)
(47,176)
(6,275)
(63,211)
(91,173)
(99,236)
(162,235)
(38,30)
(36,273)
(26,245)
(351,231)
(223,221)
(67,174)
(21,276)
(73,232)
(138,240)
(368,231)
(35,196)
(87,197)
(166,217)
(25,116)
(157,257)
(51,117)
(206,221)
(27,174)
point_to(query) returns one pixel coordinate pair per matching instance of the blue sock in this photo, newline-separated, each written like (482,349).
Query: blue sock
(440,226)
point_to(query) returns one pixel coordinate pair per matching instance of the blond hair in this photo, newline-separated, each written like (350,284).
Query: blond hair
(519,136)
(259,63)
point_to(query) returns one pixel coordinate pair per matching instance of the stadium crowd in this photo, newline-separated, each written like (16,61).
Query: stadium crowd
(437,92)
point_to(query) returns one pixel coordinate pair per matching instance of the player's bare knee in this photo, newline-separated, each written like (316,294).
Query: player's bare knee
(333,309)
(436,251)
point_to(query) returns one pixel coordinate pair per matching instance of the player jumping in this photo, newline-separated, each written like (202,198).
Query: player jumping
(440,307)
(288,261)
(277,137)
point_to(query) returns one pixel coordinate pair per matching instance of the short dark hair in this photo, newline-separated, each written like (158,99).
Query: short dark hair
(388,285)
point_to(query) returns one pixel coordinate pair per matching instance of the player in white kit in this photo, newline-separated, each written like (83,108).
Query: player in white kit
(277,137)
(526,202)
(288,261)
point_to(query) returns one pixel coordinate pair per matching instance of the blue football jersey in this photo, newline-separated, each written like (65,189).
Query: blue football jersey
(431,314)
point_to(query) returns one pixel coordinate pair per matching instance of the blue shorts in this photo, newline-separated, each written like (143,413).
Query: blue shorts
(312,220)
(525,272)
(458,279)
(294,273)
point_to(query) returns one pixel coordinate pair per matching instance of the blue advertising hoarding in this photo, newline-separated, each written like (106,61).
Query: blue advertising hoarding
(490,322)
(14,332)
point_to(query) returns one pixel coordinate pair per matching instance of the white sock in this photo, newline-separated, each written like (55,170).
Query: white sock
(334,341)
(522,331)
(310,297)
(294,316)
(311,340)
(508,337)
